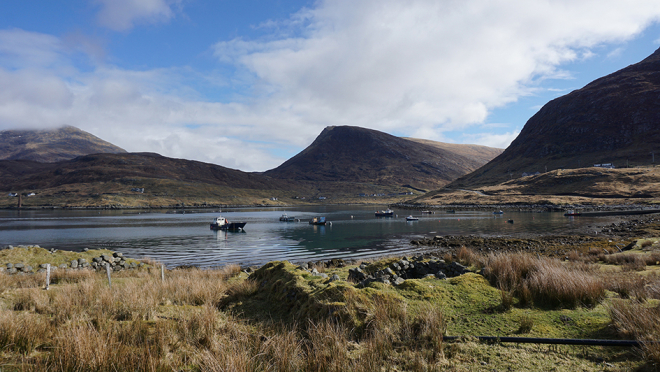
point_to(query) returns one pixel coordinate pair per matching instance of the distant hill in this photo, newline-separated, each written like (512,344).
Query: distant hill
(354,154)
(97,168)
(614,119)
(49,146)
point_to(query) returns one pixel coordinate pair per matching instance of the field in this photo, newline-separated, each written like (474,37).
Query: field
(284,317)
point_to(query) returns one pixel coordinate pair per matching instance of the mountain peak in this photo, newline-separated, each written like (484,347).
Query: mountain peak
(51,145)
(355,154)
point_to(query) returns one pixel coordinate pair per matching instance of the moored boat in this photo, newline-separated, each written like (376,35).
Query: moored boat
(286,218)
(428,212)
(317,221)
(412,218)
(498,212)
(385,213)
(571,212)
(221,223)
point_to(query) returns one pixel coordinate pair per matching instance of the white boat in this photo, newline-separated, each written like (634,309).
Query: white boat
(412,218)
(286,218)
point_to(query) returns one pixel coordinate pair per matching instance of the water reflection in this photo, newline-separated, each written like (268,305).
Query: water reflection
(185,239)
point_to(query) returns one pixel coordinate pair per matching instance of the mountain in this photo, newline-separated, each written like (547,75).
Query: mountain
(99,168)
(53,145)
(354,154)
(614,119)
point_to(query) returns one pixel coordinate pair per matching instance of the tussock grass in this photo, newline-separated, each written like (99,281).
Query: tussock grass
(543,281)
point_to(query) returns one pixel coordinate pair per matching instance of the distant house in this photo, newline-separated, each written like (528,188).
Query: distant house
(322,198)
(138,189)
(605,165)
(13,194)
(530,174)
(31,194)
(273,198)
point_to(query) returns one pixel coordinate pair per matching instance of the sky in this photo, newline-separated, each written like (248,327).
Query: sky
(248,84)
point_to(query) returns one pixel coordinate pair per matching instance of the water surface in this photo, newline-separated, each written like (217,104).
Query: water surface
(186,239)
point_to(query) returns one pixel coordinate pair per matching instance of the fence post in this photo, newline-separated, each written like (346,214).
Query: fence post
(47,277)
(162,273)
(107,269)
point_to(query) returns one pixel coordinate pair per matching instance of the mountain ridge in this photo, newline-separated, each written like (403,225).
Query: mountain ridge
(613,119)
(355,154)
(51,145)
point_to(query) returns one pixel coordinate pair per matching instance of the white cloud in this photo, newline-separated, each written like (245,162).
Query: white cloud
(497,140)
(122,15)
(418,68)
(439,65)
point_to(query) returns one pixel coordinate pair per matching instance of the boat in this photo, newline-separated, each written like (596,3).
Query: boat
(221,223)
(385,213)
(428,212)
(317,221)
(286,218)
(412,218)
(498,212)
(571,212)
(509,221)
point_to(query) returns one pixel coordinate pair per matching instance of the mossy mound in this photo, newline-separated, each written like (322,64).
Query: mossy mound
(35,256)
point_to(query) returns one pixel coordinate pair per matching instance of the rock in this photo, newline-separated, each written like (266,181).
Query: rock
(85,249)
(334,278)
(12,270)
(440,275)
(82,261)
(106,258)
(74,264)
(9,247)
(43,266)
(398,281)
(10,266)
(97,259)
(19,266)
(117,254)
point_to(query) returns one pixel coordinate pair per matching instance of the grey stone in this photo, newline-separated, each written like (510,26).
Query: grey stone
(106,258)
(97,259)
(398,281)
(440,275)
(85,249)
(10,247)
(63,266)
(27,269)
(9,266)
(334,277)
(12,270)
(82,261)
(19,265)
(43,266)
(74,264)
(117,254)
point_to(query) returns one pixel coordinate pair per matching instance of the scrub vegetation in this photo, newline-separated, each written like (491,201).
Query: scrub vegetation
(282,317)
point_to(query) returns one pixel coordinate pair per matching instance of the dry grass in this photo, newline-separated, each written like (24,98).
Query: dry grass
(543,281)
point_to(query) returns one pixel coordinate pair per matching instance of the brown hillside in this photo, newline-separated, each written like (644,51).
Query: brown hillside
(51,146)
(354,154)
(21,174)
(614,119)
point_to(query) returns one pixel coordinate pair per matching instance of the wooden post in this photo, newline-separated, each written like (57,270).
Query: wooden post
(47,277)
(20,201)
(162,272)
(107,269)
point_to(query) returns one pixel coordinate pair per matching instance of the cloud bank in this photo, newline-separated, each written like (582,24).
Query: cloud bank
(415,68)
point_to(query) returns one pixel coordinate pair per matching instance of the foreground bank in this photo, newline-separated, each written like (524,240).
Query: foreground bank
(392,313)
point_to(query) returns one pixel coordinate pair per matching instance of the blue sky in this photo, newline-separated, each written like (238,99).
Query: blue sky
(247,84)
